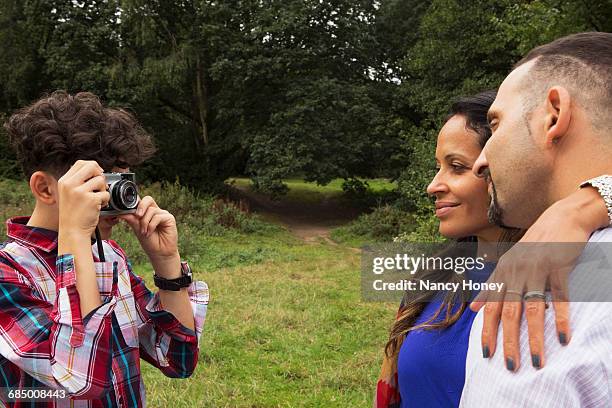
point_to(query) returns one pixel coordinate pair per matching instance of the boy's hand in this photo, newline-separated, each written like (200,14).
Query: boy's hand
(82,194)
(156,230)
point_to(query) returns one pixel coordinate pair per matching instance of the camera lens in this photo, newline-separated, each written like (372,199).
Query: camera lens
(125,195)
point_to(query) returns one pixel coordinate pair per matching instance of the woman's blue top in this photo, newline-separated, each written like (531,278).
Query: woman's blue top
(431,363)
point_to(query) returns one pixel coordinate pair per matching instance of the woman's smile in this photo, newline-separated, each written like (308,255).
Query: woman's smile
(443,208)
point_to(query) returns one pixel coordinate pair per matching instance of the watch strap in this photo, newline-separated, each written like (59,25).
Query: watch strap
(175,284)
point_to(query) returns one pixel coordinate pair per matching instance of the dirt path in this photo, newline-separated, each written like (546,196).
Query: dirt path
(310,221)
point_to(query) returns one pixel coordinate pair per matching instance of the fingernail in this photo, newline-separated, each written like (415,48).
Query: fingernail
(563,338)
(510,363)
(535,360)
(139,212)
(485,352)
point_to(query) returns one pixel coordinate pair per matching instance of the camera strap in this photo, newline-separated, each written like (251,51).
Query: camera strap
(100,246)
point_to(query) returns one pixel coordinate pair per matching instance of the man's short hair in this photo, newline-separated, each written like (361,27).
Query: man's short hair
(59,129)
(580,62)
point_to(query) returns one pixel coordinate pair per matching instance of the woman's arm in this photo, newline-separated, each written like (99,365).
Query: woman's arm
(571,220)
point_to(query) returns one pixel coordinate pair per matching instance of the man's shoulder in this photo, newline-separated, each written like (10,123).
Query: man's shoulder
(602,235)
(590,281)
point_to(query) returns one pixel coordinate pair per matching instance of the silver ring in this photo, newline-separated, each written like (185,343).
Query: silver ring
(534,294)
(514,292)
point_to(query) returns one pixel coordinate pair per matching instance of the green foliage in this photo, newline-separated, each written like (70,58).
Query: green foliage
(426,230)
(324,132)
(15,199)
(382,224)
(275,89)
(355,187)
(197,216)
(466,47)
(9,168)
(415,177)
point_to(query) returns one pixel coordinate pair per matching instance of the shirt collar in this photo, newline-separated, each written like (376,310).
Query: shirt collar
(41,238)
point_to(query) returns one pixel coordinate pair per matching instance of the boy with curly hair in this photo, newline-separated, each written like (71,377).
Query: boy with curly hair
(73,320)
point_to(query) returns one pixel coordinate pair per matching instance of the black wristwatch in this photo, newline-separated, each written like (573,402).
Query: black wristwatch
(177,283)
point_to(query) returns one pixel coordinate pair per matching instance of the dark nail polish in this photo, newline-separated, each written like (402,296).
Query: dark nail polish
(562,338)
(535,360)
(485,352)
(510,364)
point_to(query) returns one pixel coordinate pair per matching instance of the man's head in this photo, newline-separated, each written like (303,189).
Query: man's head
(551,125)
(54,132)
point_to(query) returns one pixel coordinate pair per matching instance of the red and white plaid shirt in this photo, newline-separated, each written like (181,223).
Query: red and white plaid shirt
(94,359)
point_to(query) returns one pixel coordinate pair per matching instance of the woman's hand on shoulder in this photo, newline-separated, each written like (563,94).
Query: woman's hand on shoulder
(545,255)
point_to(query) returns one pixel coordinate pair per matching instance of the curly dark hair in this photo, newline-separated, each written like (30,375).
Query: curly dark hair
(57,130)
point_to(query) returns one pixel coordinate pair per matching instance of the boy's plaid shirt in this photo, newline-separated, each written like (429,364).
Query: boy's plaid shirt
(95,359)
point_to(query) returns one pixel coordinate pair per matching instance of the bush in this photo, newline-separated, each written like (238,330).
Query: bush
(15,199)
(197,215)
(355,188)
(9,167)
(382,224)
(208,214)
(426,230)
(414,179)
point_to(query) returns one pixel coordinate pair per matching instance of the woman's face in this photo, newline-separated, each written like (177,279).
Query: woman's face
(462,199)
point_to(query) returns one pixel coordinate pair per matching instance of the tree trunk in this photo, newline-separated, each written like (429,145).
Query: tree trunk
(202,100)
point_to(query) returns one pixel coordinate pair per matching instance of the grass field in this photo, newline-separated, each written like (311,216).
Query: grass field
(302,191)
(285,328)
(285,332)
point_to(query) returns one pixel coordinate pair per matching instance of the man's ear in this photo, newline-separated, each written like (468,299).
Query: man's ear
(558,114)
(44,187)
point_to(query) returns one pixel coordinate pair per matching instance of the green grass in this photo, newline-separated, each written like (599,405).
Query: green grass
(286,326)
(290,331)
(302,191)
(345,236)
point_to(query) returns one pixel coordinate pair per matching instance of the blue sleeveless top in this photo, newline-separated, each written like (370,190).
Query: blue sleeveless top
(431,363)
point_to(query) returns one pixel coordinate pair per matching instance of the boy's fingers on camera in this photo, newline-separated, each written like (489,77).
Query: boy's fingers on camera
(160,217)
(87,170)
(146,219)
(144,204)
(131,219)
(75,167)
(97,183)
(102,198)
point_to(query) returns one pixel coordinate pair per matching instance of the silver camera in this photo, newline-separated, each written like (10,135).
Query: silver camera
(123,194)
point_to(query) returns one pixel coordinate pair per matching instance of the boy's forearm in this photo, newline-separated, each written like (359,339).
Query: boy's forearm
(178,303)
(79,246)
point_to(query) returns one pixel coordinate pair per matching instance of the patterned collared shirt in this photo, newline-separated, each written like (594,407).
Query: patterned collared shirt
(94,360)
